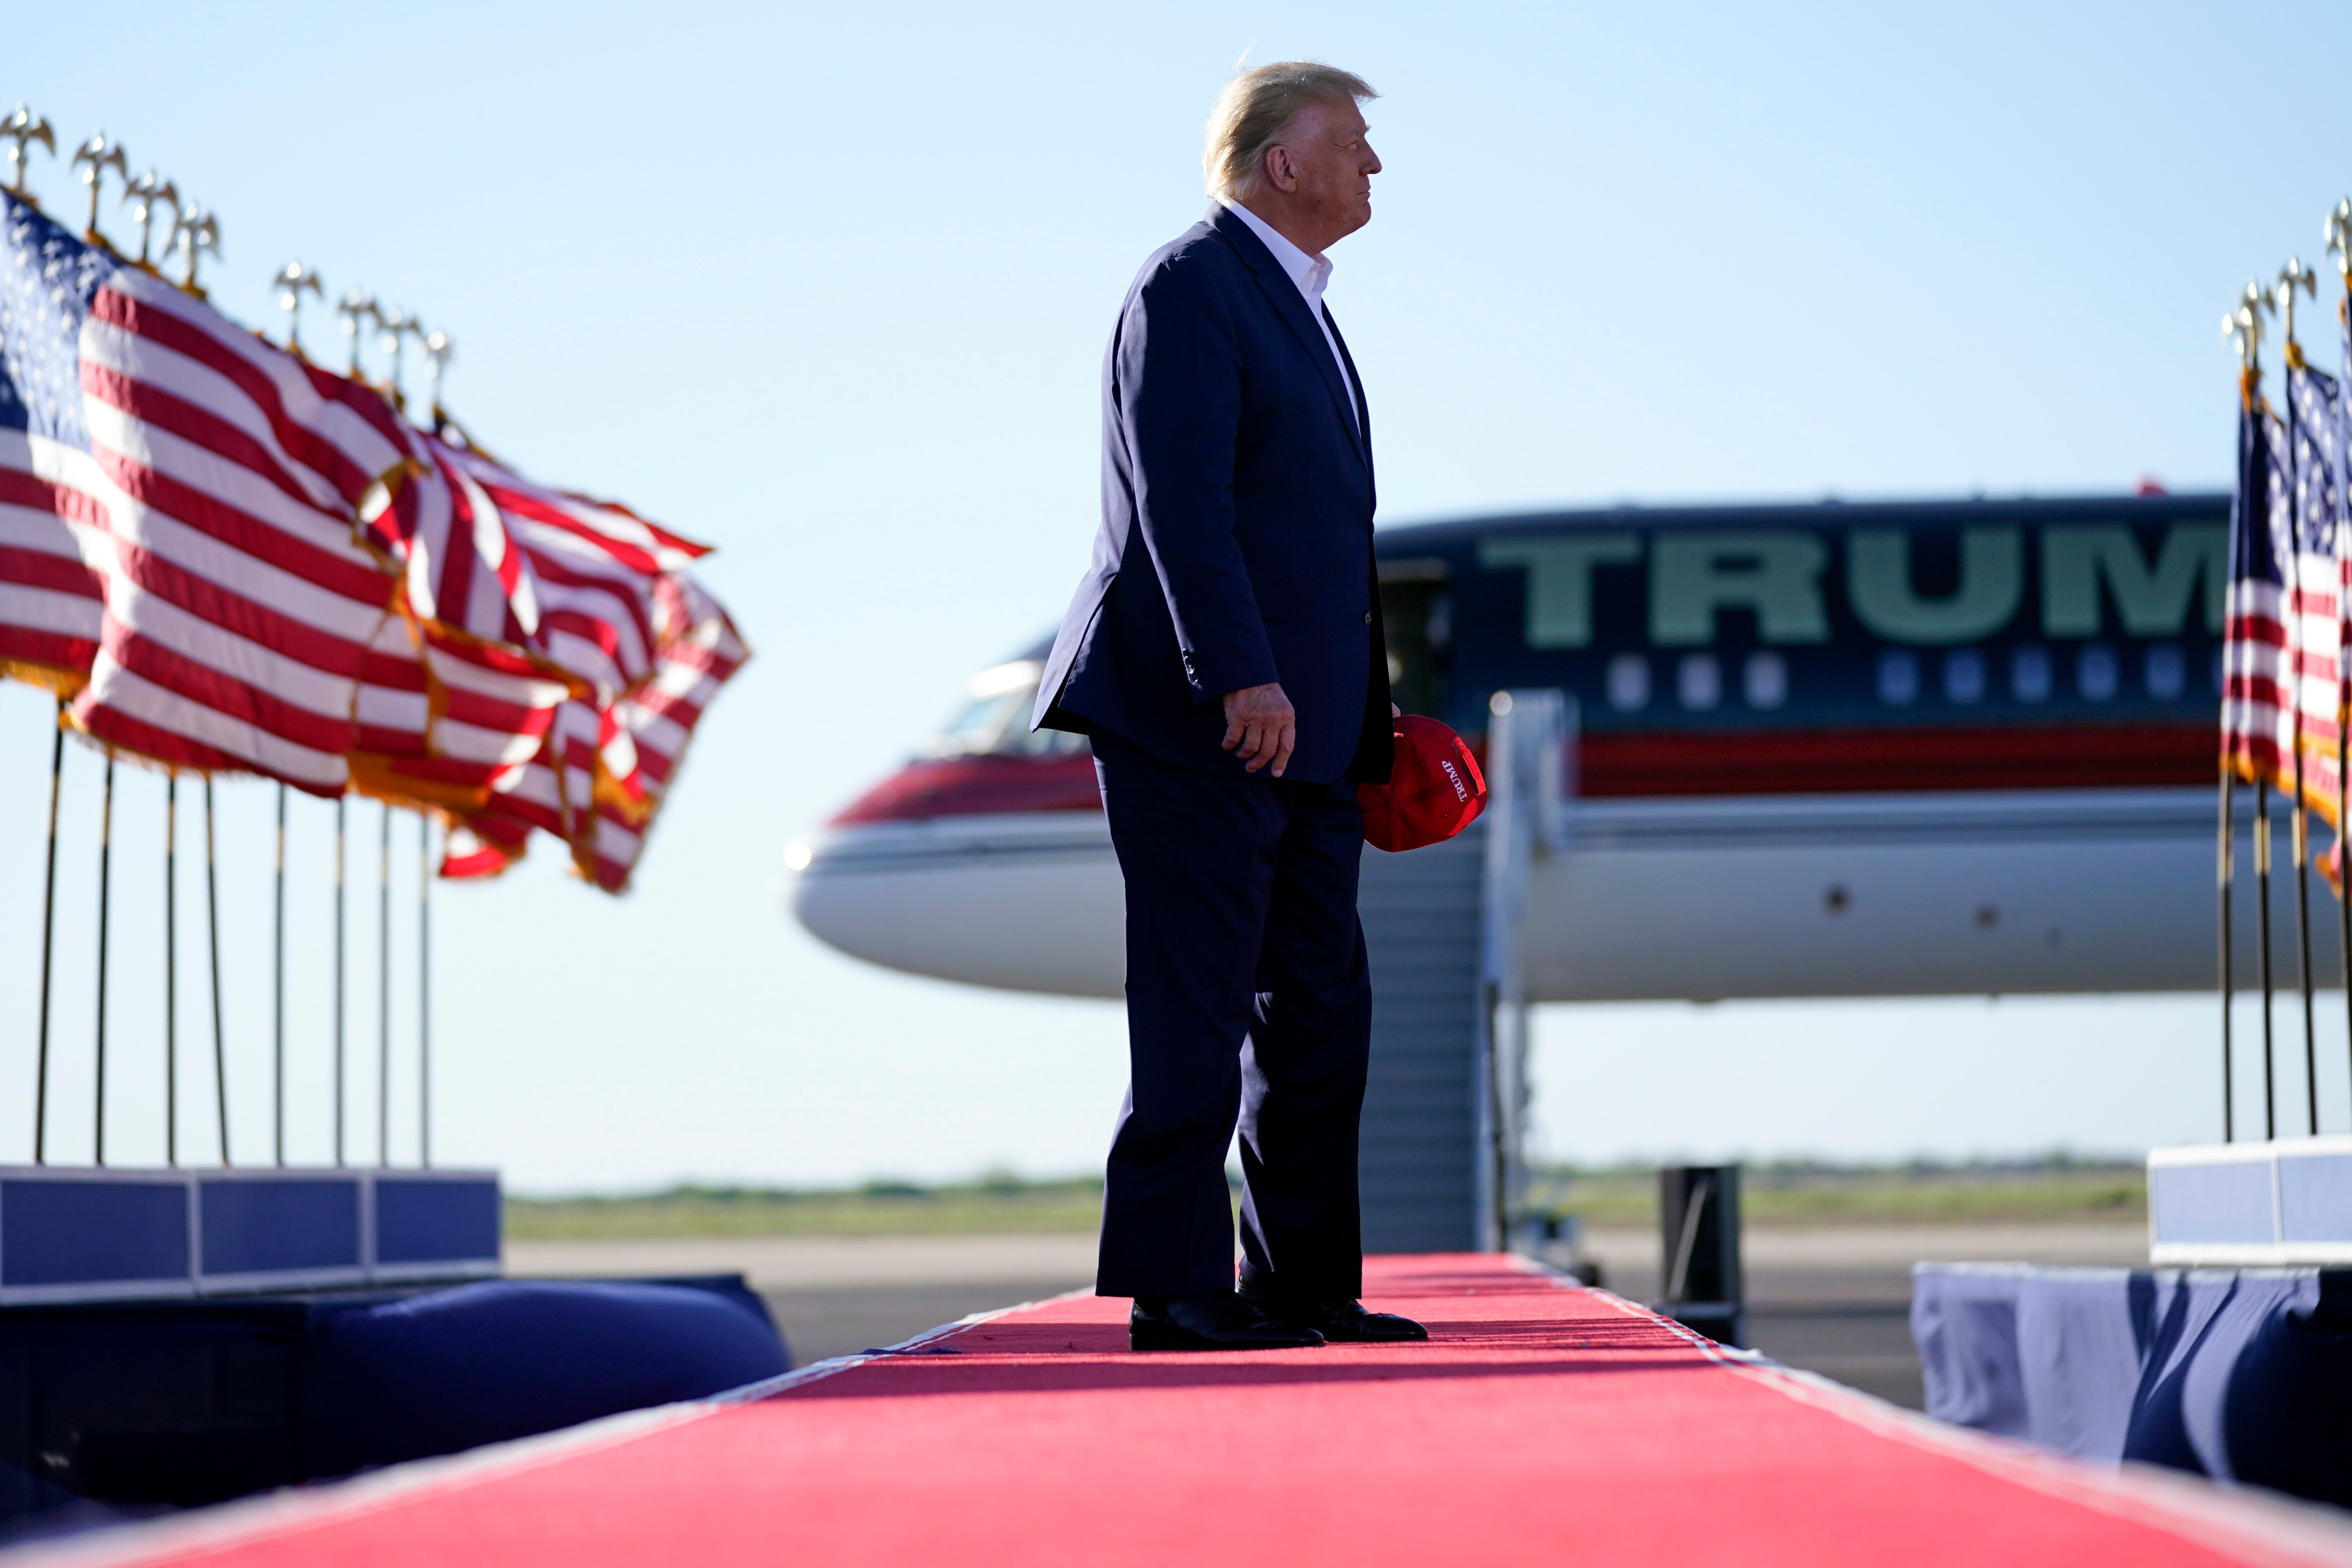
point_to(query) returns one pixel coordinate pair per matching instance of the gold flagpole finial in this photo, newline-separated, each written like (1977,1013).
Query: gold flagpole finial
(2244,327)
(194,230)
(93,158)
(438,351)
(356,305)
(293,281)
(21,129)
(2292,276)
(146,195)
(397,326)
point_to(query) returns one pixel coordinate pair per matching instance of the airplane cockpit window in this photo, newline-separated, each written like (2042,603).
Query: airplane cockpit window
(995,719)
(981,724)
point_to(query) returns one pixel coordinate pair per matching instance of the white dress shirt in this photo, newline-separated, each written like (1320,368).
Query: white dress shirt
(1312,274)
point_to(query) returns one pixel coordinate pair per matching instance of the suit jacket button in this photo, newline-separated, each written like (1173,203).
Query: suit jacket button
(1367,618)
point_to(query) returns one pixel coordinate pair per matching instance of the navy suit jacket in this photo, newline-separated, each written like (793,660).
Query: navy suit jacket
(1236,540)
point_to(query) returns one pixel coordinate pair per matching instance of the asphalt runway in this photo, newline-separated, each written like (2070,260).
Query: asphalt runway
(1831,1299)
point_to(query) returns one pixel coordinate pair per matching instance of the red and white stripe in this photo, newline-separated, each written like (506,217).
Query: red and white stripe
(611,528)
(2256,723)
(658,719)
(554,793)
(2260,684)
(479,579)
(52,606)
(460,566)
(593,569)
(600,776)
(484,710)
(474,640)
(2315,640)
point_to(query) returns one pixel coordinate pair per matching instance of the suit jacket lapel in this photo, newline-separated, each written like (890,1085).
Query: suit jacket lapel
(1363,405)
(1291,306)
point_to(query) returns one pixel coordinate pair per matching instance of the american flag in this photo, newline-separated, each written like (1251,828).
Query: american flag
(638,647)
(600,776)
(2257,728)
(2315,635)
(2283,691)
(234,560)
(52,606)
(205,481)
(484,699)
(2254,720)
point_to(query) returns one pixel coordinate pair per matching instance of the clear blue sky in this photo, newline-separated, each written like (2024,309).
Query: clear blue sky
(828,288)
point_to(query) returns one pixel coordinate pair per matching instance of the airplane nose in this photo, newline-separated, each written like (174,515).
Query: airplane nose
(993,870)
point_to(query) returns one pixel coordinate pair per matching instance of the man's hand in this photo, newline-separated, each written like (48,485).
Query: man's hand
(1264,726)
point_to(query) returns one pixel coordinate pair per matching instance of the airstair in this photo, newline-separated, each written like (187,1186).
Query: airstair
(1442,1161)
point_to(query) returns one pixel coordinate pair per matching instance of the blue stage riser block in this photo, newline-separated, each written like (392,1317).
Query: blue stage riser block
(70,1235)
(435,1219)
(116,1232)
(294,1226)
(2282,1202)
(2315,1197)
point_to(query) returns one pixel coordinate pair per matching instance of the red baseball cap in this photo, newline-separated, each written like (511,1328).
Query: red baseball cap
(1434,792)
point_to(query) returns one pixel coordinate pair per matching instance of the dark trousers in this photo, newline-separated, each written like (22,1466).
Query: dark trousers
(1248,996)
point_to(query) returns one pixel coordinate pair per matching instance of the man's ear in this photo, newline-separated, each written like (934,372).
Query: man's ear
(1281,169)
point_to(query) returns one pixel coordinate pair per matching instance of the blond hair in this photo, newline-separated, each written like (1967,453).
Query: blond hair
(1254,110)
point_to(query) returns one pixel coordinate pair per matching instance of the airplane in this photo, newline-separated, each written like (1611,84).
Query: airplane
(1836,749)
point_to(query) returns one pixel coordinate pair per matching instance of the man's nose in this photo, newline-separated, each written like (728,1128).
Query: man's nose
(1375,165)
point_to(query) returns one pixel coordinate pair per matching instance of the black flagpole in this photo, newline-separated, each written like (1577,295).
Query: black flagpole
(339,979)
(171,969)
(212,926)
(277,1008)
(384,997)
(2228,858)
(424,992)
(49,922)
(2246,324)
(105,880)
(2262,877)
(2302,929)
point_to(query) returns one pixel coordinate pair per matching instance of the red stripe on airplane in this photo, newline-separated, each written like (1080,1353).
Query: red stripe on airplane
(1691,762)
(1834,762)
(978,787)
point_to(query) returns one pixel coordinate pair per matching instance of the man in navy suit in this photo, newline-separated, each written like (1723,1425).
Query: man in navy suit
(1224,652)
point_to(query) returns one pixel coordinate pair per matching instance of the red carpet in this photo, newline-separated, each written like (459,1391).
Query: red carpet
(1543,1424)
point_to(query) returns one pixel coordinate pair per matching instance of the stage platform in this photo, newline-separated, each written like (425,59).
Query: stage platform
(1544,1422)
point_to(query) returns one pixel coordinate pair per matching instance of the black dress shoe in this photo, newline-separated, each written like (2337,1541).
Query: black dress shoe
(1339,1319)
(1214,1321)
